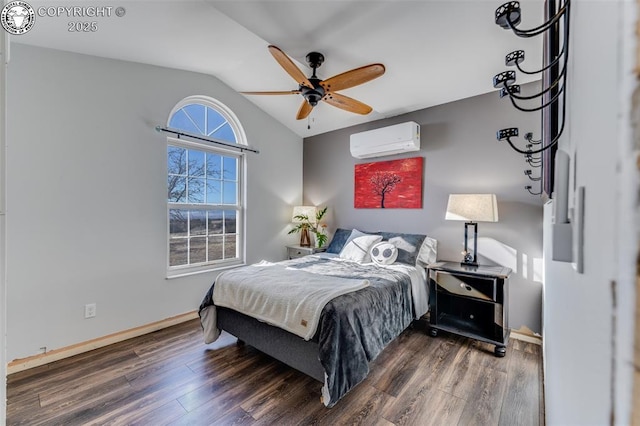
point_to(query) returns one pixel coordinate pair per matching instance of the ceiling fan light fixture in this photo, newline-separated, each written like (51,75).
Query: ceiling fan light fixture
(313,96)
(313,99)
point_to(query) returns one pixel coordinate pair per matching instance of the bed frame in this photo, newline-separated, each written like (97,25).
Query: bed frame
(303,355)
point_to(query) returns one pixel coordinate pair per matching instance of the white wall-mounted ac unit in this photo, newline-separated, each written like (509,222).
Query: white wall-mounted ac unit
(396,139)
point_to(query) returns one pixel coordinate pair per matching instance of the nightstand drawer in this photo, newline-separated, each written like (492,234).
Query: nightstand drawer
(295,252)
(476,287)
(471,317)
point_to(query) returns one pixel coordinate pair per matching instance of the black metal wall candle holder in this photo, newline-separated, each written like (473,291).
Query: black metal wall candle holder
(533,161)
(529,172)
(504,81)
(529,187)
(529,138)
(509,90)
(509,15)
(553,93)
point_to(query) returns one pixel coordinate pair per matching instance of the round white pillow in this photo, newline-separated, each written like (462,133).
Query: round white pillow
(383,253)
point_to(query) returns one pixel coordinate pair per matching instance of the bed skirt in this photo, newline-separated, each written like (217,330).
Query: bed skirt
(284,346)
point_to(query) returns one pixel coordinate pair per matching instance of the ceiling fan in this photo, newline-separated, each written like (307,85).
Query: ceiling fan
(314,89)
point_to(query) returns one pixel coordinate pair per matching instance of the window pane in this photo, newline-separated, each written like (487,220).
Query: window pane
(225,133)
(176,160)
(214,191)
(230,217)
(177,187)
(196,113)
(181,121)
(214,166)
(230,168)
(197,222)
(178,223)
(178,252)
(214,221)
(230,247)
(196,163)
(214,121)
(196,190)
(197,249)
(215,247)
(230,191)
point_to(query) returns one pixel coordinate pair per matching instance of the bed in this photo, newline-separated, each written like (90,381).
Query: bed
(352,303)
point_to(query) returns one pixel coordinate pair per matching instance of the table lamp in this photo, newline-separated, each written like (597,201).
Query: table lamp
(304,214)
(472,208)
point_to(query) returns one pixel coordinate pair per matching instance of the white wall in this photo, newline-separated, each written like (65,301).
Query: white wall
(461,155)
(588,318)
(4,44)
(86,176)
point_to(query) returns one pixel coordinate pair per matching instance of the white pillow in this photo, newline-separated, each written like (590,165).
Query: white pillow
(357,249)
(354,234)
(428,252)
(384,253)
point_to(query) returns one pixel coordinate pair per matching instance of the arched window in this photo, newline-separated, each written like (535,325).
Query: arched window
(204,188)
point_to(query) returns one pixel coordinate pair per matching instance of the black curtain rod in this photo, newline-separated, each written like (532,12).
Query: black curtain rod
(206,139)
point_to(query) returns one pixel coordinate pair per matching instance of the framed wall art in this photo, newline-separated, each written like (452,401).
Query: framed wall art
(394,184)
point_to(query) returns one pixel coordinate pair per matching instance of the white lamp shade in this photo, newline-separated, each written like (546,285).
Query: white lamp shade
(308,211)
(472,207)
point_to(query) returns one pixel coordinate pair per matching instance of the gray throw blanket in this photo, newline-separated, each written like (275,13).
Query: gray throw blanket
(355,327)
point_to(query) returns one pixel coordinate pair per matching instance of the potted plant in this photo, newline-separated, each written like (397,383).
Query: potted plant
(305,224)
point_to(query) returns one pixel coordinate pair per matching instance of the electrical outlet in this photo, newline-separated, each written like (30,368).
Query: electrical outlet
(90,310)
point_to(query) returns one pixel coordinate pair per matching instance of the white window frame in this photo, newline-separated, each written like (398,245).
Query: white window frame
(240,206)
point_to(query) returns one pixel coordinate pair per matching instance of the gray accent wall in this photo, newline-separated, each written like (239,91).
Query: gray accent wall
(86,195)
(461,155)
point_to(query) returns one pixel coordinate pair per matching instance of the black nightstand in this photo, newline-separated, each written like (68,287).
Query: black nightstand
(470,301)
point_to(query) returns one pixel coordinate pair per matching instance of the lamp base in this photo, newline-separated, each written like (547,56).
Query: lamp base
(305,239)
(470,257)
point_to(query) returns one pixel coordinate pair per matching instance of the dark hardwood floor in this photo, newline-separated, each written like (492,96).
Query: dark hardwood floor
(171,377)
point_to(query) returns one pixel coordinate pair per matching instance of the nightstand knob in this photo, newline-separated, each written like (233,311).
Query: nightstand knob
(466,286)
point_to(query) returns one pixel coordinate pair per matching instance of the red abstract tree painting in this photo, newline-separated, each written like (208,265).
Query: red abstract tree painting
(395,184)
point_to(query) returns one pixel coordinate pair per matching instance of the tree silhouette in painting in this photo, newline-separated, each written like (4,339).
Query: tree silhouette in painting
(382,183)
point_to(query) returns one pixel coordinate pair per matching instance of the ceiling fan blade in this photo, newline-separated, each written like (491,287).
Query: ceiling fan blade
(284,92)
(304,111)
(288,65)
(353,77)
(346,103)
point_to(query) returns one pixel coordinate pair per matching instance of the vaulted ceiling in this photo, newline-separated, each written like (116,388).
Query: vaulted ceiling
(434,51)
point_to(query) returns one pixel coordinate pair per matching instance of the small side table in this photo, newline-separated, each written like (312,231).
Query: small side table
(294,252)
(470,301)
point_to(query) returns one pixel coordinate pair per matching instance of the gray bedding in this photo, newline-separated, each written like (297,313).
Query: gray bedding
(354,328)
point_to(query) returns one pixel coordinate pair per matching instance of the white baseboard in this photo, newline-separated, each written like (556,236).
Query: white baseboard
(526,337)
(22,364)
